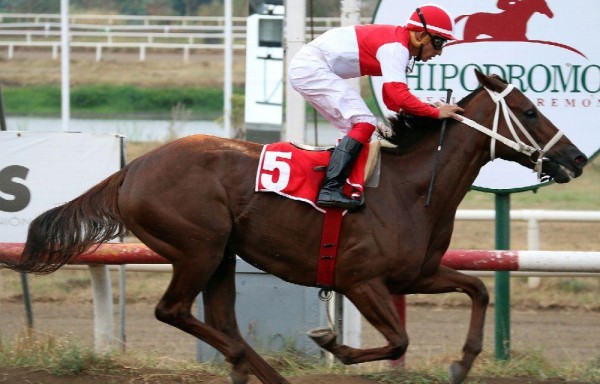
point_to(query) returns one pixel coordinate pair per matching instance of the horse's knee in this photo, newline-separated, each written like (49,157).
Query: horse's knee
(398,350)
(473,349)
(481,293)
(169,314)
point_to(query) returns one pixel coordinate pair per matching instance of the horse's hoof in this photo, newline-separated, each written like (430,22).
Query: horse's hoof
(322,336)
(236,378)
(457,372)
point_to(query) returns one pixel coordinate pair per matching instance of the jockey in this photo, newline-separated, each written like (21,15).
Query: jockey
(506,4)
(318,71)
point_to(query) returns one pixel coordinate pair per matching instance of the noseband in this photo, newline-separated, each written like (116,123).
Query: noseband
(517,144)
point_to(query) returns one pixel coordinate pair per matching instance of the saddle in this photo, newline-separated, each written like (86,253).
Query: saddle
(296,171)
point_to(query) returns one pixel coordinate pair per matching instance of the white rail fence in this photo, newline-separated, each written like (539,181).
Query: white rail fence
(127,32)
(102,293)
(352,330)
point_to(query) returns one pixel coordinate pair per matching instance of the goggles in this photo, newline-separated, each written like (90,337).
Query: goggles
(438,42)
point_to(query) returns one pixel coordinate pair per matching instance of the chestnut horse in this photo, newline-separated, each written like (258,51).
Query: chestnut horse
(193,202)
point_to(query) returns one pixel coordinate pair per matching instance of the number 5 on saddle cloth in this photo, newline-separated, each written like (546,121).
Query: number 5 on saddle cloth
(297,171)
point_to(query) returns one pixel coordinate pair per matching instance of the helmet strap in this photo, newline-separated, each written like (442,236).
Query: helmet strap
(418,58)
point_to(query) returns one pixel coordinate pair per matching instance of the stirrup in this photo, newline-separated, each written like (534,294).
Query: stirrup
(336,199)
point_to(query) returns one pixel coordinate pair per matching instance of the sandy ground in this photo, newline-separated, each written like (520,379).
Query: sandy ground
(437,335)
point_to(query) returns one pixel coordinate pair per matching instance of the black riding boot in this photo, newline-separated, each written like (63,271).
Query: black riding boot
(340,166)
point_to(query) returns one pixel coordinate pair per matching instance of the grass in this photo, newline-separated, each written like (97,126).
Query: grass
(525,364)
(107,101)
(61,358)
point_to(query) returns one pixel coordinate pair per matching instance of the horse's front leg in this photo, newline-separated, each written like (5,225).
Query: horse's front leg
(374,302)
(448,280)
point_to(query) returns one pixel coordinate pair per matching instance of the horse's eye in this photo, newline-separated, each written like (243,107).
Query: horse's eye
(530,113)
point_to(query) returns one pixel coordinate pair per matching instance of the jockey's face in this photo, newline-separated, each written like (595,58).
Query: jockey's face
(429,51)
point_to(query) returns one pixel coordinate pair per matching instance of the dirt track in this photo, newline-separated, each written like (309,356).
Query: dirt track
(436,336)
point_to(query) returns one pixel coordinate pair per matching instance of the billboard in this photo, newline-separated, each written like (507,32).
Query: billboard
(545,48)
(40,170)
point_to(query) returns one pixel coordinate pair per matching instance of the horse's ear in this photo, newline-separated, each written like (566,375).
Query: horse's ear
(493,83)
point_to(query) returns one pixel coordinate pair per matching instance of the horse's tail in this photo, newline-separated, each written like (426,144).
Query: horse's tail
(60,234)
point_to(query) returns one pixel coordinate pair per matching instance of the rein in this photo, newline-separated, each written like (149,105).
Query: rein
(517,144)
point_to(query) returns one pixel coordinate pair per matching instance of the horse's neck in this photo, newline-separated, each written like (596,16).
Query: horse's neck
(462,155)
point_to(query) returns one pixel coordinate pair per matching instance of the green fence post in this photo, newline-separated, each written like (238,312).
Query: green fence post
(502,280)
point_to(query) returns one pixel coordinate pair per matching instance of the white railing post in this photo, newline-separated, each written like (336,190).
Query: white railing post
(98,52)
(186,53)
(103,308)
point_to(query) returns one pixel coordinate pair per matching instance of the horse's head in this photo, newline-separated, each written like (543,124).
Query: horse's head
(528,137)
(542,7)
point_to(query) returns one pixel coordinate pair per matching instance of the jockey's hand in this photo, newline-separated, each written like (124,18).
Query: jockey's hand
(448,110)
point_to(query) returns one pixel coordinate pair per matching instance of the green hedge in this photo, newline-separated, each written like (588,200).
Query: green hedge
(105,101)
(114,100)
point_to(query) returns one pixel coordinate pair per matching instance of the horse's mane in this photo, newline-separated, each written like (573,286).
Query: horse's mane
(407,130)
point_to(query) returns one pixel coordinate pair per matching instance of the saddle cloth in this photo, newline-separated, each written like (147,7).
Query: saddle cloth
(297,173)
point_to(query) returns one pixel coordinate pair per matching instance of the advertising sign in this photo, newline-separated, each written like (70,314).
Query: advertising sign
(545,48)
(40,170)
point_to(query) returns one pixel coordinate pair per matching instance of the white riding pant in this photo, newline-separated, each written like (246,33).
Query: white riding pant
(328,93)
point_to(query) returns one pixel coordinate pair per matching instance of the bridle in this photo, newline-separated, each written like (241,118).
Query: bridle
(516,143)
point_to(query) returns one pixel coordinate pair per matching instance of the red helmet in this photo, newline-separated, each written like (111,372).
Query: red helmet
(437,21)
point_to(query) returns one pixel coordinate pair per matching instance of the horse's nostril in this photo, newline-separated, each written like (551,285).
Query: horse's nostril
(581,160)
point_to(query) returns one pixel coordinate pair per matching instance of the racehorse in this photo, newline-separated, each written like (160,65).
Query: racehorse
(192,201)
(508,25)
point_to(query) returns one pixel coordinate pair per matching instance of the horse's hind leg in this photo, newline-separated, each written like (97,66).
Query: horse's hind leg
(174,308)
(374,302)
(219,313)
(448,280)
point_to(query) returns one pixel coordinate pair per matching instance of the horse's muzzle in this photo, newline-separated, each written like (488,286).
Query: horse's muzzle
(564,166)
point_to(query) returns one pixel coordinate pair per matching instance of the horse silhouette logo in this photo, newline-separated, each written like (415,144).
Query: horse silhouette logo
(508,25)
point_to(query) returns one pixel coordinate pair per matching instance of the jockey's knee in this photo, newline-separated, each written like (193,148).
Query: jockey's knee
(362,132)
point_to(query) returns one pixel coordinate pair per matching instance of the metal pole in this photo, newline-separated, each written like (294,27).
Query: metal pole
(228,62)
(295,113)
(502,280)
(533,244)
(352,335)
(64,64)
(2,115)
(122,307)
(122,274)
(27,300)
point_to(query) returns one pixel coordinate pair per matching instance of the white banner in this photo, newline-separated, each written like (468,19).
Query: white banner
(40,170)
(546,48)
